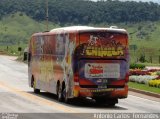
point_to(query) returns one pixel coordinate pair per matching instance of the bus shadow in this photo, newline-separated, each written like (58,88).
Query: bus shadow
(76,103)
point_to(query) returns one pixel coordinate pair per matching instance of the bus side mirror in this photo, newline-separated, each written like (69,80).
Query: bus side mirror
(25,56)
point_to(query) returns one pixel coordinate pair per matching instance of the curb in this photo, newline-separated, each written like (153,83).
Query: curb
(145,92)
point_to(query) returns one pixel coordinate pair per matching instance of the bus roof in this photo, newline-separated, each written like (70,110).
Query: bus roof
(82,29)
(88,28)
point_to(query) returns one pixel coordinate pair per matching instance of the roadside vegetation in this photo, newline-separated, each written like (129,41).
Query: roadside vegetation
(84,11)
(16,29)
(144,79)
(143,87)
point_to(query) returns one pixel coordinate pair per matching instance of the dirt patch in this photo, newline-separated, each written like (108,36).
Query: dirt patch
(2,53)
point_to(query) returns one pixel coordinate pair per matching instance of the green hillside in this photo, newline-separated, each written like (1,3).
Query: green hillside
(141,19)
(16,29)
(145,36)
(84,11)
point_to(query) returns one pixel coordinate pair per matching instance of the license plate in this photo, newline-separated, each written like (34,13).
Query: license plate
(102,70)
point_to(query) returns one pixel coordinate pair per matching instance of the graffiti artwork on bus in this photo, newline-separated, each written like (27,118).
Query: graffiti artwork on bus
(102,47)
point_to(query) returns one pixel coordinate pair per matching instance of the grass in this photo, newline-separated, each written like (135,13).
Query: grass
(150,64)
(13,49)
(144,87)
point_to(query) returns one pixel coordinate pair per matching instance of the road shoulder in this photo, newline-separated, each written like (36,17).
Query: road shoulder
(144,96)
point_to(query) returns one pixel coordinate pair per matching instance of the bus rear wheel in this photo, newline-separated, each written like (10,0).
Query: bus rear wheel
(109,102)
(62,93)
(59,93)
(112,102)
(100,101)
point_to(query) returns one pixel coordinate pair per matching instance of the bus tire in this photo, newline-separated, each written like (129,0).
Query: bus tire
(37,91)
(112,102)
(59,93)
(100,100)
(66,99)
(109,102)
(33,84)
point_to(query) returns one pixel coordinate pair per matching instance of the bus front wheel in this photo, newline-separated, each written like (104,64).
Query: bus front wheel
(33,84)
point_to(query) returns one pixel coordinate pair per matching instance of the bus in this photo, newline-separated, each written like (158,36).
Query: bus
(80,62)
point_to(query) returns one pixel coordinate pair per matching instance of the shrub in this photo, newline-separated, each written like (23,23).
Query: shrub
(138,72)
(154,83)
(154,70)
(158,77)
(141,79)
(137,66)
(158,73)
(153,73)
(142,58)
(132,78)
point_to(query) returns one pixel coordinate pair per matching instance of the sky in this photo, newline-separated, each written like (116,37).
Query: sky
(157,1)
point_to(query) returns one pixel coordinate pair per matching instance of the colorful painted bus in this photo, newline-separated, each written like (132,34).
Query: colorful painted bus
(80,62)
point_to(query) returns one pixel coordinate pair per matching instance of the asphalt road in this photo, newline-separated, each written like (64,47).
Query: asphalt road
(17,97)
